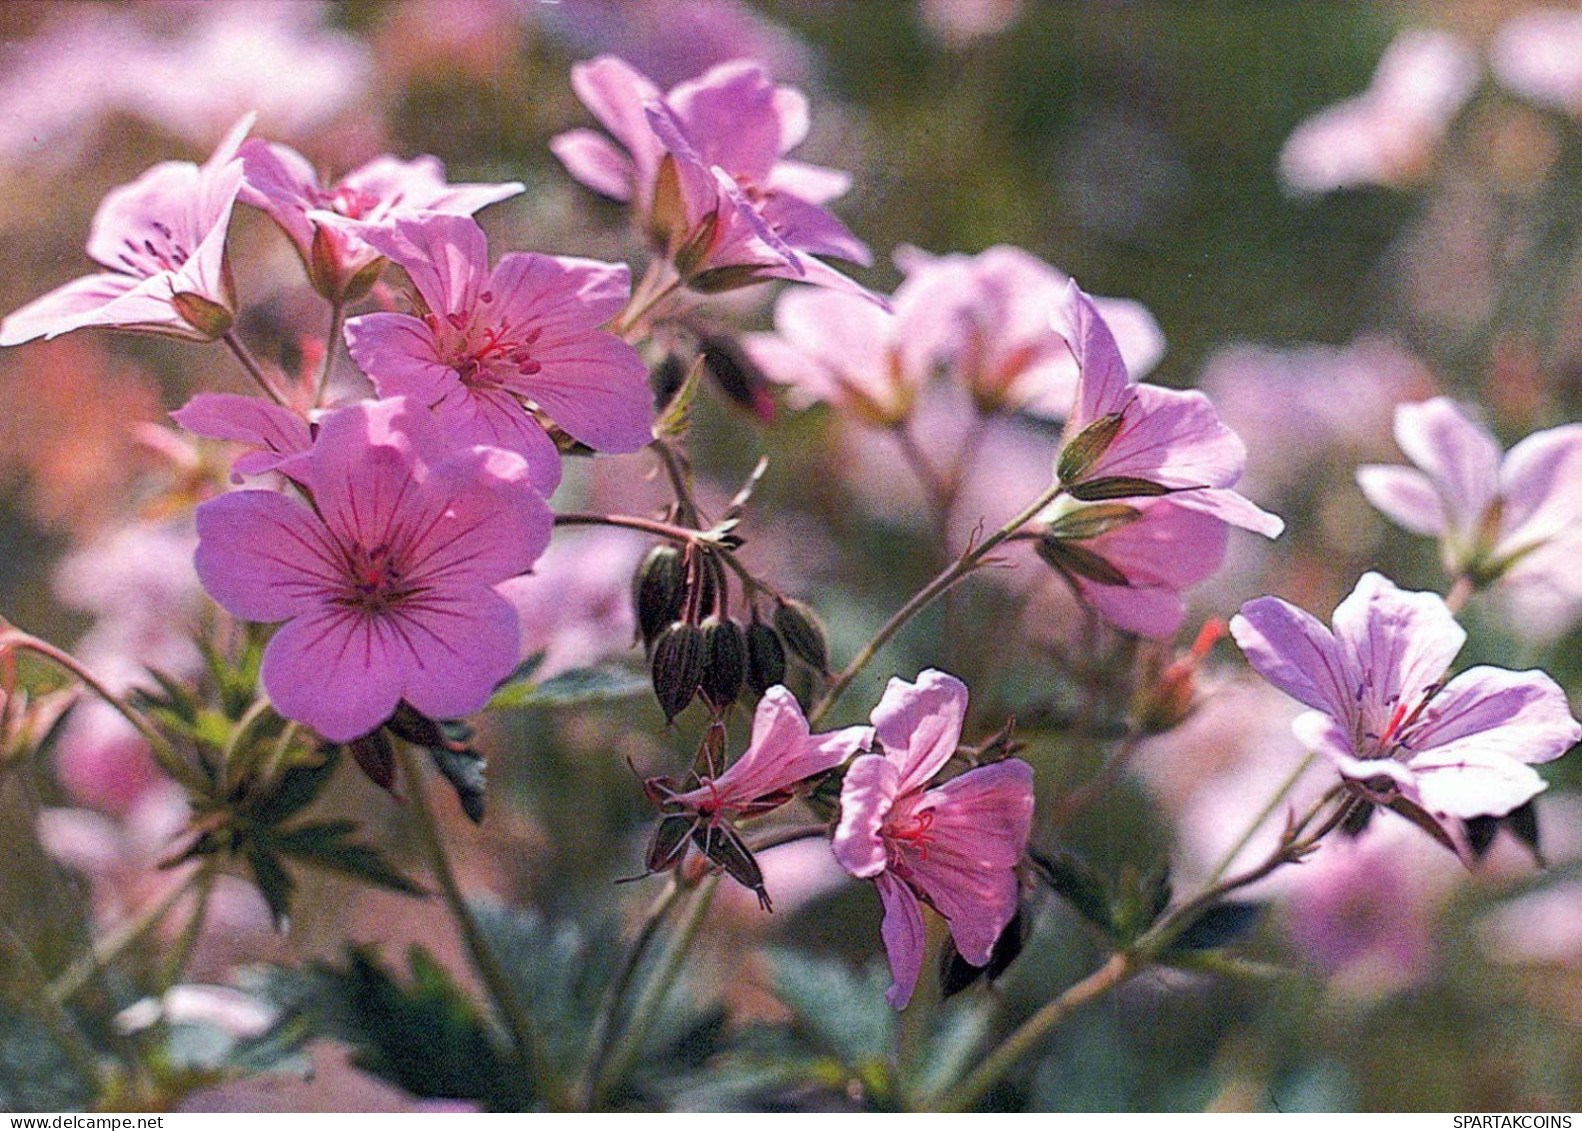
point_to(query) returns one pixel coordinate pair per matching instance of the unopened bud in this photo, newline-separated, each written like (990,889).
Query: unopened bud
(766,657)
(1166,698)
(724,663)
(659,590)
(677,667)
(799,627)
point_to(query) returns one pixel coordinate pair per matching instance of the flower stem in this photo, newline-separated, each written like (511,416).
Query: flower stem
(46,1007)
(1257,823)
(254,370)
(971,1089)
(630,522)
(654,994)
(1461,591)
(331,344)
(970,559)
(523,1035)
(164,753)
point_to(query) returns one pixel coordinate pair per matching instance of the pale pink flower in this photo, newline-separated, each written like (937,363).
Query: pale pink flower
(954,847)
(1171,439)
(284,184)
(1383,712)
(387,583)
(1538,55)
(575,608)
(1519,517)
(961,23)
(729,209)
(1388,134)
(492,342)
(272,432)
(163,237)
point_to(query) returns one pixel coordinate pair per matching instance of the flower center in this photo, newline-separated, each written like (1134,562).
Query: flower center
(157,252)
(908,834)
(373,579)
(489,357)
(354,203)
(1396,736)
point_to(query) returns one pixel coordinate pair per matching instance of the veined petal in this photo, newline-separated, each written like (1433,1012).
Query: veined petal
(336,669)
(1297,653)
(278,431)
(592,159)
(1541,487)
(919,726)
(1103,386)
(783,751)
(446,256)
(1523,716)
(902,931)
(456,645)
(400,356)
(1459,456)
(1464,781)
(1399,643)
(866,797)
(1404,495)
(72,306)
(264,557)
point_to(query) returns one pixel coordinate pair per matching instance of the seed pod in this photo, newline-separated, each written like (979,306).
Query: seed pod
(798,626)
(766,657)
(724,846)
(677,667)
(659,591)
(724,663)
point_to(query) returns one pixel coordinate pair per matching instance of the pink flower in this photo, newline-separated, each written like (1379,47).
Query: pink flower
(163,236)
(1538,54)
(954,847)
(1383,713)
(387,583)
(703,171)
(1387,135)
(1129,562)
(275,433)
(986,318)
(1520,517)
(576,606)
(1157,440)
(282,182)
(489,341)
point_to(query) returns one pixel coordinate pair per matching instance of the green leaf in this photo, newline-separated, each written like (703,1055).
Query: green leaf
(274,882)
(465,769)
(1118,487)
(1221,924)
(35,1074)
(569,689)
(958,1032)
(1086,448)
(674,422)
(844,1011)
(1075,881)
(325,844)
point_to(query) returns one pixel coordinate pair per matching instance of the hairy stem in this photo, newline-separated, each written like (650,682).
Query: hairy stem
(970,559)
(509,1005)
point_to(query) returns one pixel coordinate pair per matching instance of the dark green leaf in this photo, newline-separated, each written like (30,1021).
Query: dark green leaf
(326,844)
(299,786)
(274,882)
(569,689)
(676,419)
(465,769)
(1077,883)
(1221,924)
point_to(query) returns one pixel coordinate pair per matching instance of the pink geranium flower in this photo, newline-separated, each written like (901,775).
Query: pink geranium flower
(954,847)
(1386,135)
(1538,54)
(163,238)
(704,172)
(1384,714)
(491,343)
(1128,440)
(274,433)
(282,182)
(387,582)
(1520,517)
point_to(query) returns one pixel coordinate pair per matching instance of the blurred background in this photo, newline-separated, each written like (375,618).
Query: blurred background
(1150,149)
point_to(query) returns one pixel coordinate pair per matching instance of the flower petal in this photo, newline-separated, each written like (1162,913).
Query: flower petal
(264,557)
(919,726)
(783,751)
(1459,456)
(1522,716)
(902,931)
(865,800)
(1399,643)
(1294,650)
(1405,495)
(337,670)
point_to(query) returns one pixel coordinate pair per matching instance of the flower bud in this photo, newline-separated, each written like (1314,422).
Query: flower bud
(659,590)
(1166,698)
(669,843)
(766,657)
(724,663)
(677,667)
(802,633)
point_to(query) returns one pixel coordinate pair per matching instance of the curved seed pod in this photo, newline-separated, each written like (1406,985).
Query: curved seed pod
(766,657)
(659,590)
(799,627)
(724,663)
(677,667)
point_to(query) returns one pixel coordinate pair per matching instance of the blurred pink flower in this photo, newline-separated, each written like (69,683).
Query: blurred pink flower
(273,432)
(703,171)
(163,236)
(954,847)
(1538,55)
(528,330)
(1170,438)
(575,608)
(284,184)
(1520,517)
(1383,713)
(986,319)
(1388,134)
(387,582)
(960,23)
(1541,927)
